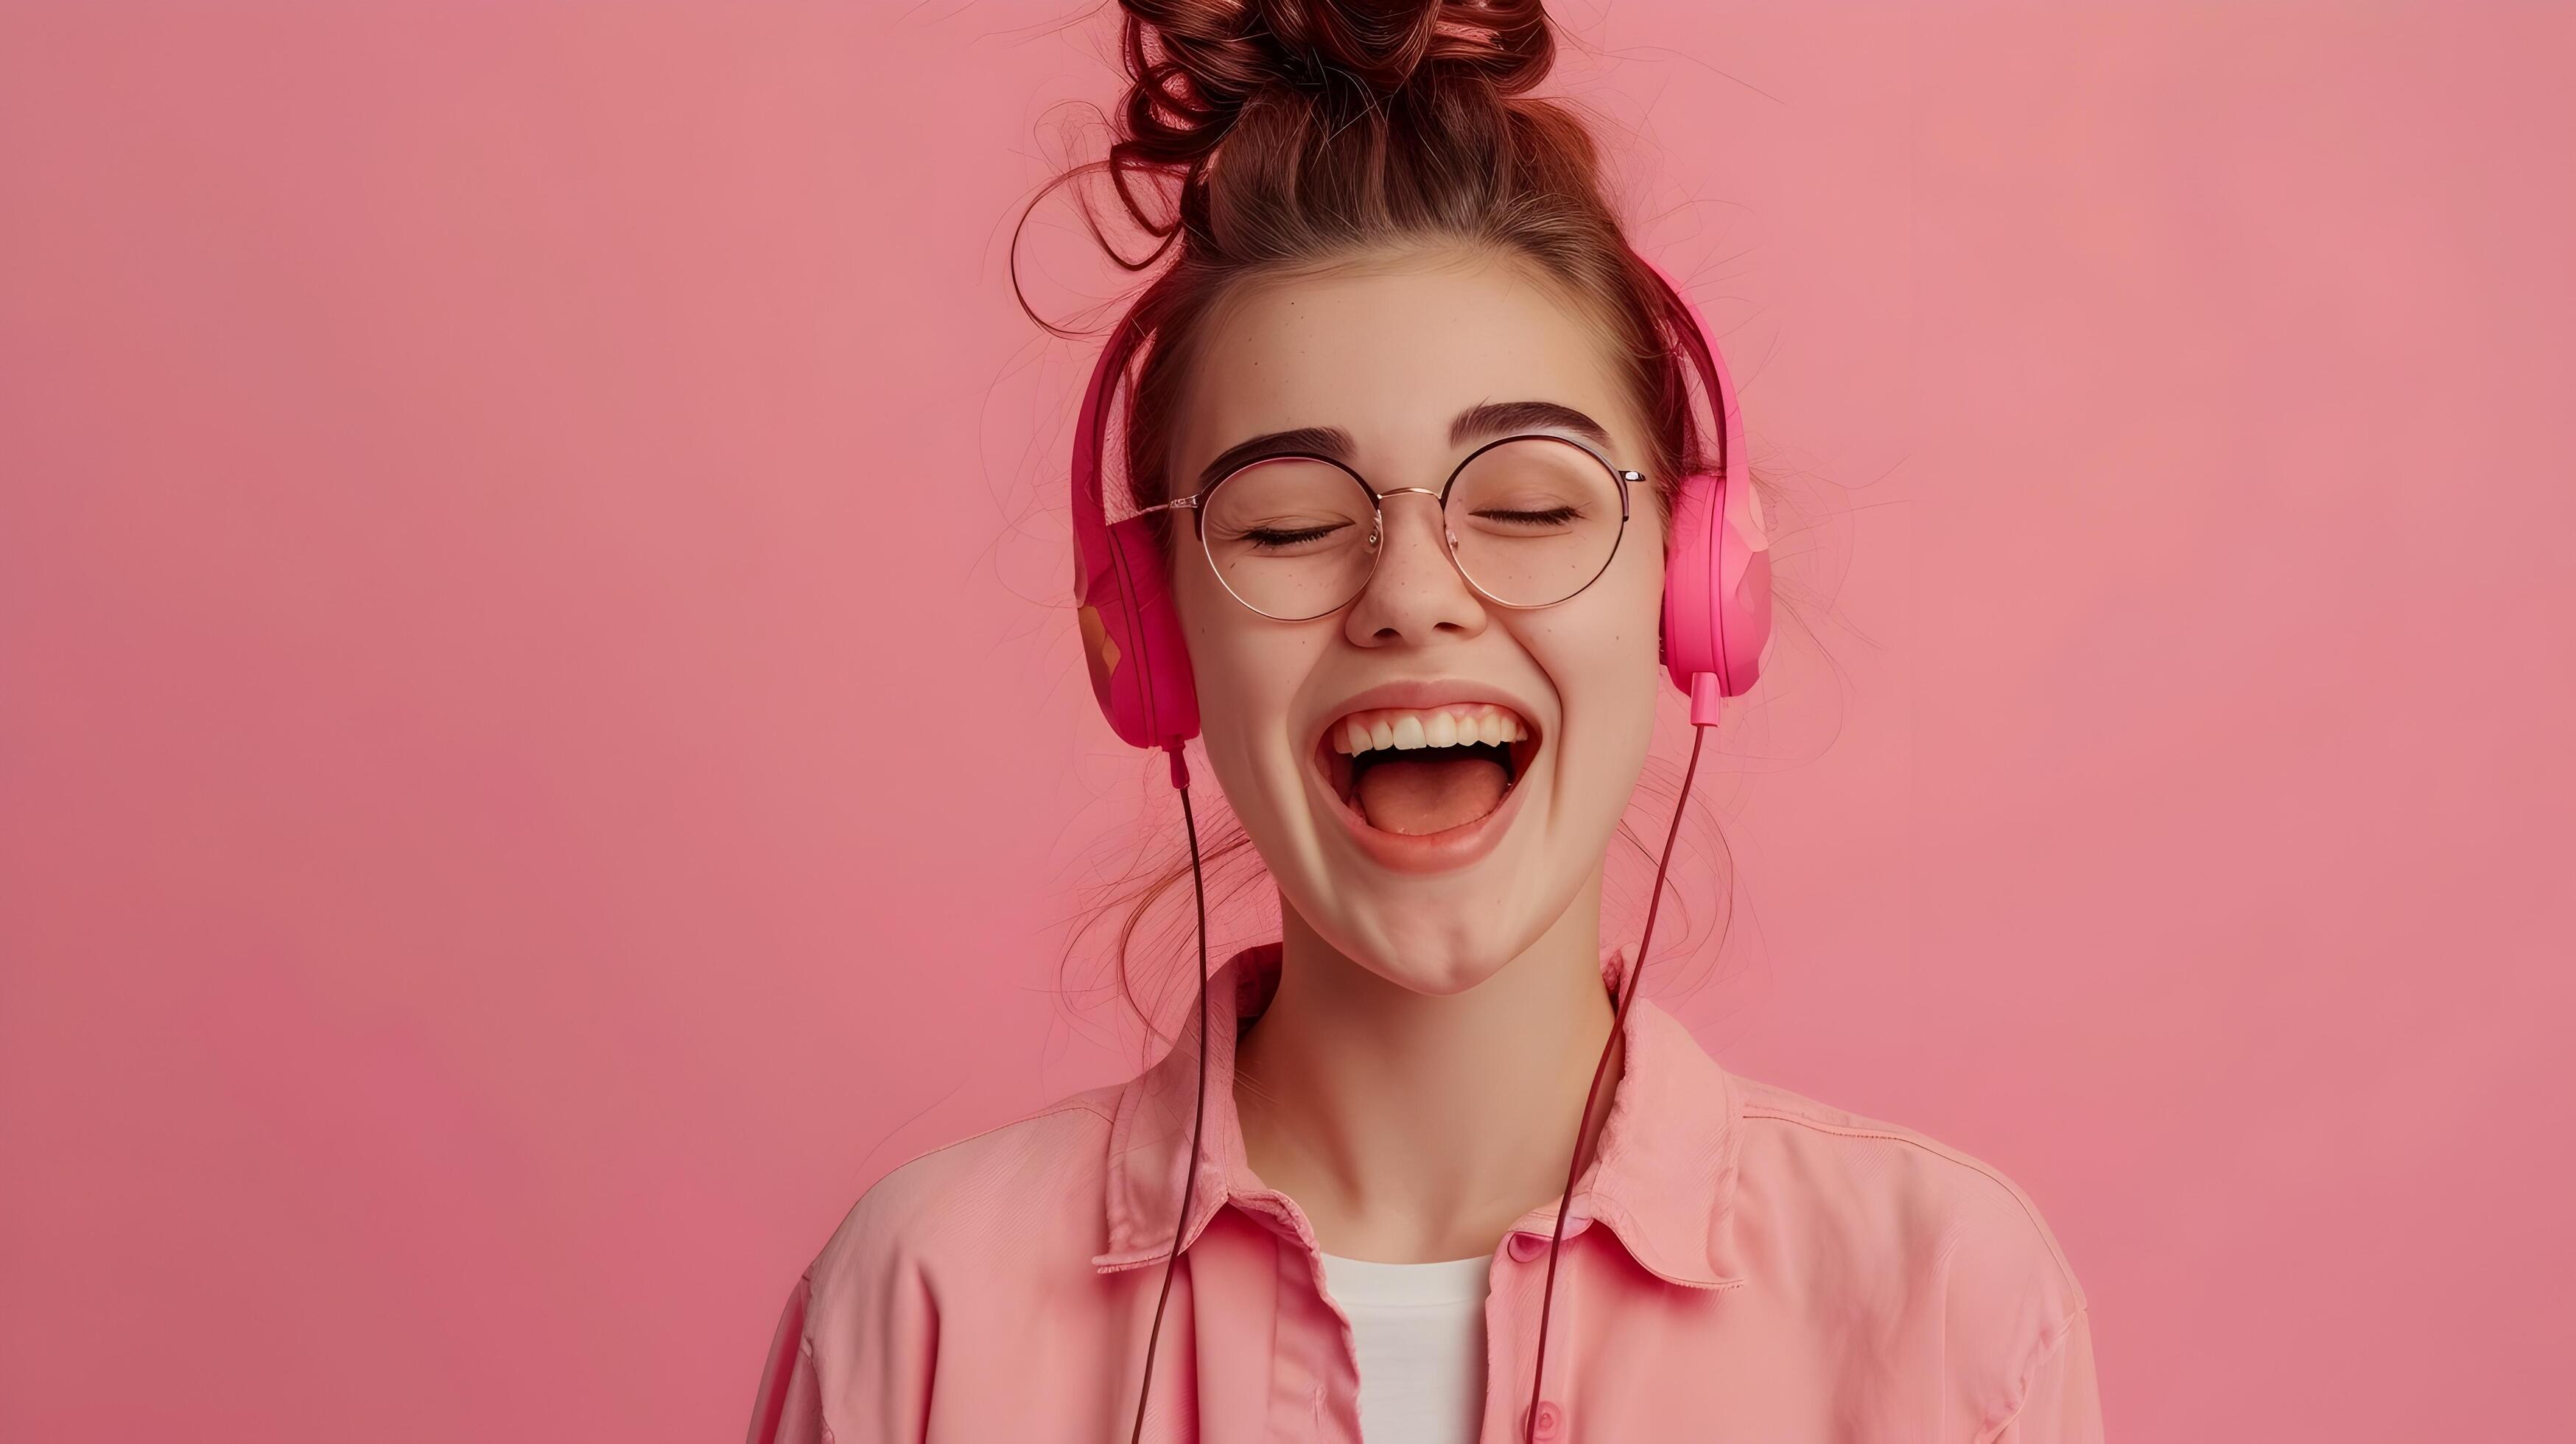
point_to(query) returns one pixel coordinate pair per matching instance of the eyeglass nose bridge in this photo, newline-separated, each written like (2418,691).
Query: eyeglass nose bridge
(1377,520)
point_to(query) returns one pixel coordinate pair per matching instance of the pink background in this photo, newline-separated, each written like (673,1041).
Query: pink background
(540,748)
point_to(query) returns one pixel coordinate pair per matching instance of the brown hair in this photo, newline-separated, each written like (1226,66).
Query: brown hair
(1283,136)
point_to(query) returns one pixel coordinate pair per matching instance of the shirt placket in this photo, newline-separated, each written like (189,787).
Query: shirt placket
(1511,1332)
(1314,1393)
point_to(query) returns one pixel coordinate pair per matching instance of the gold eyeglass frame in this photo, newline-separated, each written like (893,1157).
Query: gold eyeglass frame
(1196,505)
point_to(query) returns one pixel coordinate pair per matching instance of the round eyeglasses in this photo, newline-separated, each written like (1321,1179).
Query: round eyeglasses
(1528,520)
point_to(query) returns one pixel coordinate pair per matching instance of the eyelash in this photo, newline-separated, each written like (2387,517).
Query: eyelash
(1273,537)
(1552,514)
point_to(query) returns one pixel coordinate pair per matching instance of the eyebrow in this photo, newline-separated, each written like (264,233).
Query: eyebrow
(1503,418)
(1476,423)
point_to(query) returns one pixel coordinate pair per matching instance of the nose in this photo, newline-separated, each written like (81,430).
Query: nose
(1416,593)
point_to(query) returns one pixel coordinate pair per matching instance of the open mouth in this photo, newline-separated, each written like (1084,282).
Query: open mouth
(1415,771)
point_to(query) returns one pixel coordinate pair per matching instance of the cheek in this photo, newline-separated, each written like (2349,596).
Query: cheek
(1604,659)
(1248,669)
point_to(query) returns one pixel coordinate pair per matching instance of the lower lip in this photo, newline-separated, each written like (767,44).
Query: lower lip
(1431,851)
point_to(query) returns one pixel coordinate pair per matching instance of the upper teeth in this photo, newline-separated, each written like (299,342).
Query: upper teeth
(1443,727)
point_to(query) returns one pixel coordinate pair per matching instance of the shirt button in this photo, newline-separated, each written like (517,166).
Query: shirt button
(1551,1420)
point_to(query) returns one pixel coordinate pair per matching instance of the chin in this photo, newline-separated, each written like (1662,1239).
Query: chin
(1447,931)
(1433,952)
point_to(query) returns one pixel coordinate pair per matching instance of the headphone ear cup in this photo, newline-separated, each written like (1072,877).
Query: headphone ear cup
(1692,604)
(1744,581)
(1717,586)
(1131,635)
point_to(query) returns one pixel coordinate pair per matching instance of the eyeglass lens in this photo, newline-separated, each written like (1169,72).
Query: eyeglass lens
(1530,522)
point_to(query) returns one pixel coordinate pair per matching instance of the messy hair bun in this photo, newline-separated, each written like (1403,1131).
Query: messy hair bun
(1200,68)
(1378,45)
(1286,126)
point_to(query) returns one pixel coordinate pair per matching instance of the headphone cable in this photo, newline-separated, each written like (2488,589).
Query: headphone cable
(1198,891)
(1627,995)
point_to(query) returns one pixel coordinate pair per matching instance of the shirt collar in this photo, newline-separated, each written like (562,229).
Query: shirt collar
(1662,1176)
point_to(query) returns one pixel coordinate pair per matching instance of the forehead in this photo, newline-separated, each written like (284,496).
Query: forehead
(1390,351)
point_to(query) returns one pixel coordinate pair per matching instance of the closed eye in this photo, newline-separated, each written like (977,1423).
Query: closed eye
(1552,516)
(1276,537)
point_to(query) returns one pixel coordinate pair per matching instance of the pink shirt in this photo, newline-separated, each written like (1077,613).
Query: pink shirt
(1740,1263)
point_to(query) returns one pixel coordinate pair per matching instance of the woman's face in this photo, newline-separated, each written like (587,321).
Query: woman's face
(1432,867)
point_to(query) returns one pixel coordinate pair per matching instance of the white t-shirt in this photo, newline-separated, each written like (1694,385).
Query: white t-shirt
(1420,1334)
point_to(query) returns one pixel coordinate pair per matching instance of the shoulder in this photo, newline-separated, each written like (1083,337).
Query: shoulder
(949,1235)
(1836,1194)
(978,1208)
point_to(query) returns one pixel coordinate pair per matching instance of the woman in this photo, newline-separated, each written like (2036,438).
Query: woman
(1424,510)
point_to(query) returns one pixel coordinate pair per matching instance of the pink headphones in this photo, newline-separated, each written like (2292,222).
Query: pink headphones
(1717,575)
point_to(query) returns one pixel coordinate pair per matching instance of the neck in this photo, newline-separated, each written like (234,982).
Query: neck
(1411,1128)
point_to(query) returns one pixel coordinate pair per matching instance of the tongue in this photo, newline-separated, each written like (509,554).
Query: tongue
(1415,798)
